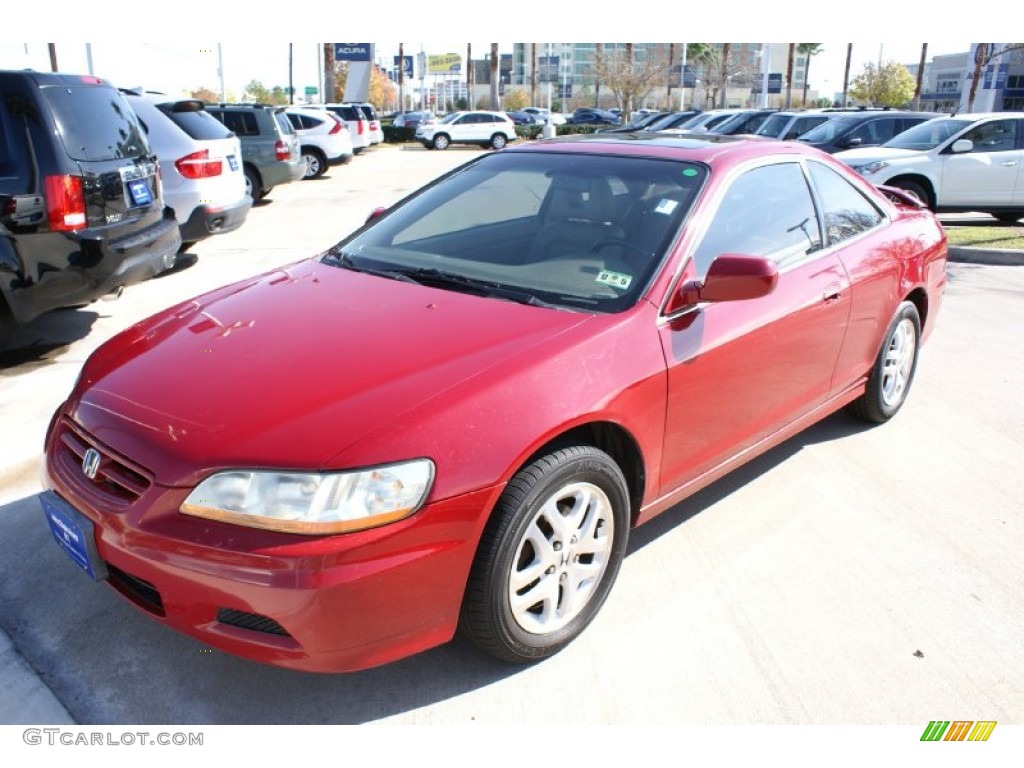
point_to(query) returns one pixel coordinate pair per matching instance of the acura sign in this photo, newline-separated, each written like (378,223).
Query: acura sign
(353,51)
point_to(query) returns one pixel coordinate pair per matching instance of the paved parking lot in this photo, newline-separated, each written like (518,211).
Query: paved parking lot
(852,575)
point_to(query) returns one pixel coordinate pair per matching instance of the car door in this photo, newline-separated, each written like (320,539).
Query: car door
(739,371)
(988,173)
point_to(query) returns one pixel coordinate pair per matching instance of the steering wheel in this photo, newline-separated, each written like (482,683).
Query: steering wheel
(605,242)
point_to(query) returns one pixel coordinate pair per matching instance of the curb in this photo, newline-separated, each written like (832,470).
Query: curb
(26,700)
(1005,258)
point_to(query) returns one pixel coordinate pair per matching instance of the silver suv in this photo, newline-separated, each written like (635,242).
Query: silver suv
(200,164)
(270,146)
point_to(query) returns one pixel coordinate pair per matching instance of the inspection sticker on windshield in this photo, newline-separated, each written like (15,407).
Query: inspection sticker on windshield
(666,206)
(614,279)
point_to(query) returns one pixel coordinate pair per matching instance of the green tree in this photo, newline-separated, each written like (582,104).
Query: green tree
(256,91)
(515,99)
(206,94)
(890,85)
(278,96)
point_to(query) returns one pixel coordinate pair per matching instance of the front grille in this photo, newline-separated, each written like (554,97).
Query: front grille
(140,592)
(253,621)
(116,484)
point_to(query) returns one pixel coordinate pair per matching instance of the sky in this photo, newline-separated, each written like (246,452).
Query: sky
(169,55)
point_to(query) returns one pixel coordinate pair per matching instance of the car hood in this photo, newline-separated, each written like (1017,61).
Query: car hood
(873,154)
(290,368)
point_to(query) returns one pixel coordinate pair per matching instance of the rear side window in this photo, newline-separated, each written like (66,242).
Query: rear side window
(95,122)
(283,123)
(14,163)
(847,212)
(240,123)
(199,124)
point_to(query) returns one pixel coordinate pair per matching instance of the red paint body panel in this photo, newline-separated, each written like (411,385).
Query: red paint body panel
(313,367)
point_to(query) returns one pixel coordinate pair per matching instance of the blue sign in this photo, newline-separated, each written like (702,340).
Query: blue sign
(1001,73)
(353,51)
(407,61)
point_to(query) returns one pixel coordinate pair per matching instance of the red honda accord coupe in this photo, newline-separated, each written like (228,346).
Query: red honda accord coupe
(453,418)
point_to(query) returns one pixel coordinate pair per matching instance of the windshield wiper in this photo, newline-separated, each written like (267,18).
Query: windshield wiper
(341,259)
(439,278)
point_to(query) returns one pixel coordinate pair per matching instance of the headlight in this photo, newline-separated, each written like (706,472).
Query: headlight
(314,502)
(870,168)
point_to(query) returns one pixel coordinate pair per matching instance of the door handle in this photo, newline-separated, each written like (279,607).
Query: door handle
(832,293)
(1009,162)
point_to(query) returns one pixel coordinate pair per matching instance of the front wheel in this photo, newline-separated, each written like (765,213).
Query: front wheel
(915,189)
(548,556)
(893,371)
(441,141)
(499,141)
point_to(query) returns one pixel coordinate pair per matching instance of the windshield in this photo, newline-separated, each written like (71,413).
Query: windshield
(774,125)
(928,135)
(581,232)
(830,131)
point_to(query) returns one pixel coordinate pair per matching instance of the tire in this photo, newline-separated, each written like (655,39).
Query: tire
(441,141)
(499,141)
(893,370)
(517,606)
(316,163)
(1009,218)
(915,189)
(7,325)
(253,184)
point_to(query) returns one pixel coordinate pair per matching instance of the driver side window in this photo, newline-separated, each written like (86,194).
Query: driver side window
(767,211)
(997,136)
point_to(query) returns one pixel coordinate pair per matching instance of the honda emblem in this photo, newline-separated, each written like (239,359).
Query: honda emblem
(91,463)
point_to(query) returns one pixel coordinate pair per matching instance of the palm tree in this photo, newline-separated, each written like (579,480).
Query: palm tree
(789,75)
(980,56)
(809,50)
(846,76)
(533,73)
(494,75)
(598,57)
(920,76)
(726,50)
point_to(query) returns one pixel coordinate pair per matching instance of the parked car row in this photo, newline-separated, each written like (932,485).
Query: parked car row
(103,187)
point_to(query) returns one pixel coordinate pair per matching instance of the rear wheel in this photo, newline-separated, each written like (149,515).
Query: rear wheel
(7,325)
(498,141)
(1009,218)
(253,184)
(548,556)
(893,371)
(441,141)
(316,162)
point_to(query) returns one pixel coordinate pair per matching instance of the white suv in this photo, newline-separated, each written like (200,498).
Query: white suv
(488,129)
(324,139)
(971,162)
(200,164)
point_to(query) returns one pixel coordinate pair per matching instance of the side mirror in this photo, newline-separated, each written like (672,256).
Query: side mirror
(731,277)
(853,141)
(961,145)
(376,213)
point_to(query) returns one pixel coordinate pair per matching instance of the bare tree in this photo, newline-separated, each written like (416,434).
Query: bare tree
(983,56)
(598,63)
(469,75)
(809,50)
(494,75)
(628,79)
(329,82)
(670,75)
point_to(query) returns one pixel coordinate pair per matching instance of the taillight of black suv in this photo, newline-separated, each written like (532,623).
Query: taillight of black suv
(81,209)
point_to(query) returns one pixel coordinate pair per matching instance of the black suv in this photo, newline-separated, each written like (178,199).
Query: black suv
(81,210)
(862,128)
(270,146)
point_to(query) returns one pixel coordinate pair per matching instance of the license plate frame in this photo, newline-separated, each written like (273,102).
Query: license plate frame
(74,533)
(139,194)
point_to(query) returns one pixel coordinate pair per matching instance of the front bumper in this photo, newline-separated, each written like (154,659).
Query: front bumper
(319,604)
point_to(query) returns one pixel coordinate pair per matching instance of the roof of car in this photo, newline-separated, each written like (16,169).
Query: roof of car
(712,149)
